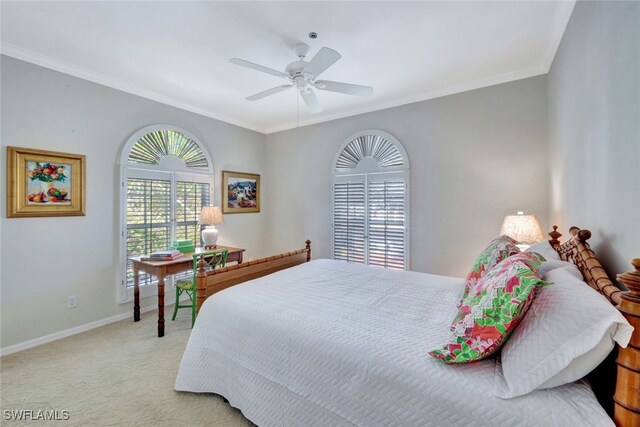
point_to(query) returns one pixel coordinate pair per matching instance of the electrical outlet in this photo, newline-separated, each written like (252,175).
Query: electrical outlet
(72,301)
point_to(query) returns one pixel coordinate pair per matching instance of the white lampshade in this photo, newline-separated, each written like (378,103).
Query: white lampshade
(210,216)
(522,228)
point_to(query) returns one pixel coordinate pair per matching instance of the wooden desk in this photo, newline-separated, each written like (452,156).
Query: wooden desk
(162,269)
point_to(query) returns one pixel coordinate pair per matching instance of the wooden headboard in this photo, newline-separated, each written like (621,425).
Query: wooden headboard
(627,388)
(578,251)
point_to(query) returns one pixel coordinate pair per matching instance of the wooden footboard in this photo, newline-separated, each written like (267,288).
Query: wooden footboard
(210,282)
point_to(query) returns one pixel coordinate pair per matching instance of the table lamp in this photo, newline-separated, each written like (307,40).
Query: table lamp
(209,217)
(524,229)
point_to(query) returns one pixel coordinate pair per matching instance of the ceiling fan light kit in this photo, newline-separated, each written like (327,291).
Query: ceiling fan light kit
(303,75)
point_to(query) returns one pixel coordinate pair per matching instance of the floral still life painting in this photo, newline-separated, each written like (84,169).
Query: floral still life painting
(240,192)
(49,183)
(44,183)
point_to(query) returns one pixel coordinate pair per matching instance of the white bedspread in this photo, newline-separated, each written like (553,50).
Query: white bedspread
(330,343)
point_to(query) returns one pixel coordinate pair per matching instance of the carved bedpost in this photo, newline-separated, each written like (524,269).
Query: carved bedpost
(578,251)
(308,242)
(555,236)
(627,397)
(201,283)
(582,235)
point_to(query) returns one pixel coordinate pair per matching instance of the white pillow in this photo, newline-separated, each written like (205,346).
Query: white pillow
(551,256)
(569,330)
(547,266)
(545,249)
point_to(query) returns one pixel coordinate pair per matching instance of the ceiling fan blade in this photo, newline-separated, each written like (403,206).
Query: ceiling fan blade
(348,88)
(257,67)
(268,92)
(324,59)
(311,100)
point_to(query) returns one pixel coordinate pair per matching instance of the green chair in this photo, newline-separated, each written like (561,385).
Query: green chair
(213,259)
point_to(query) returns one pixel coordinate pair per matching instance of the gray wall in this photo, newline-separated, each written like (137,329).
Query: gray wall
(44,260)
(474,156)
(594,129)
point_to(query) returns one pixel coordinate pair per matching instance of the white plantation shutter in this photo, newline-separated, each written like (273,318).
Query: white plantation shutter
(369,219)
(190,198)
(349,220)
(370,201)
(148,219)
(386,221)
(161,207)
(156,144)
(166,178)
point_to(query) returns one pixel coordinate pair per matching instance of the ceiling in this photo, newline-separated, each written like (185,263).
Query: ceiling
(177,52)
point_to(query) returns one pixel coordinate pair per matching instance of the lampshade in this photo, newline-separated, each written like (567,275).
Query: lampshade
(211,215)
(522,228)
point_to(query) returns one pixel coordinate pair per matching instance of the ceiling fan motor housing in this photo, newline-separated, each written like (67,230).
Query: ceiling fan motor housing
(297,74)
(296,68)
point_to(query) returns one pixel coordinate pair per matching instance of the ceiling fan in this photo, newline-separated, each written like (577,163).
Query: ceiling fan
(303,76)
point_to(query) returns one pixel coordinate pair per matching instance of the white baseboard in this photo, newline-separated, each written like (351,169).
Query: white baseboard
(72,331)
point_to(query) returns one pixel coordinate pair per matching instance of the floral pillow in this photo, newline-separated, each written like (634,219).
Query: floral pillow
(492,310)
(533,260)
(497,250)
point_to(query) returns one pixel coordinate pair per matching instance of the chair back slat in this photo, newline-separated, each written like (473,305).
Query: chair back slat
(212,259)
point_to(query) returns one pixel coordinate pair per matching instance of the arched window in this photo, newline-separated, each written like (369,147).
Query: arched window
(370,201)
(166,178)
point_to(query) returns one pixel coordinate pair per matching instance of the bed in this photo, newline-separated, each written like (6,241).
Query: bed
(330,343)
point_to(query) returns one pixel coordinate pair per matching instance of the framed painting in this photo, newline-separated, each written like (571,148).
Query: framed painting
(240,192)
(44,183)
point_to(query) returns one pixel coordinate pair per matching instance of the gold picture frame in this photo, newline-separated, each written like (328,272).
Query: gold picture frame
(240,192)
(44,183)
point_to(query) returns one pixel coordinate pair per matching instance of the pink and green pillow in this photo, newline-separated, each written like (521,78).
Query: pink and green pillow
(497,250)
(531,259)
(492,309)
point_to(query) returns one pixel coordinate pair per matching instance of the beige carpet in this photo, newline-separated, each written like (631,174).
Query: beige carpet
(117,375)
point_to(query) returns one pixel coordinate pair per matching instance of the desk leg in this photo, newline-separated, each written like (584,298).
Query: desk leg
(161,306)
(240,258)
(136,295)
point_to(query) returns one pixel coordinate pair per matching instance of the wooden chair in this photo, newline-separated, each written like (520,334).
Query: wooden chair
(213,260)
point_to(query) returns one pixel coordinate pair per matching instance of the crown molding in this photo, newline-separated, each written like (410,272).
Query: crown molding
(36,58)
(424,96)
(562,17)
